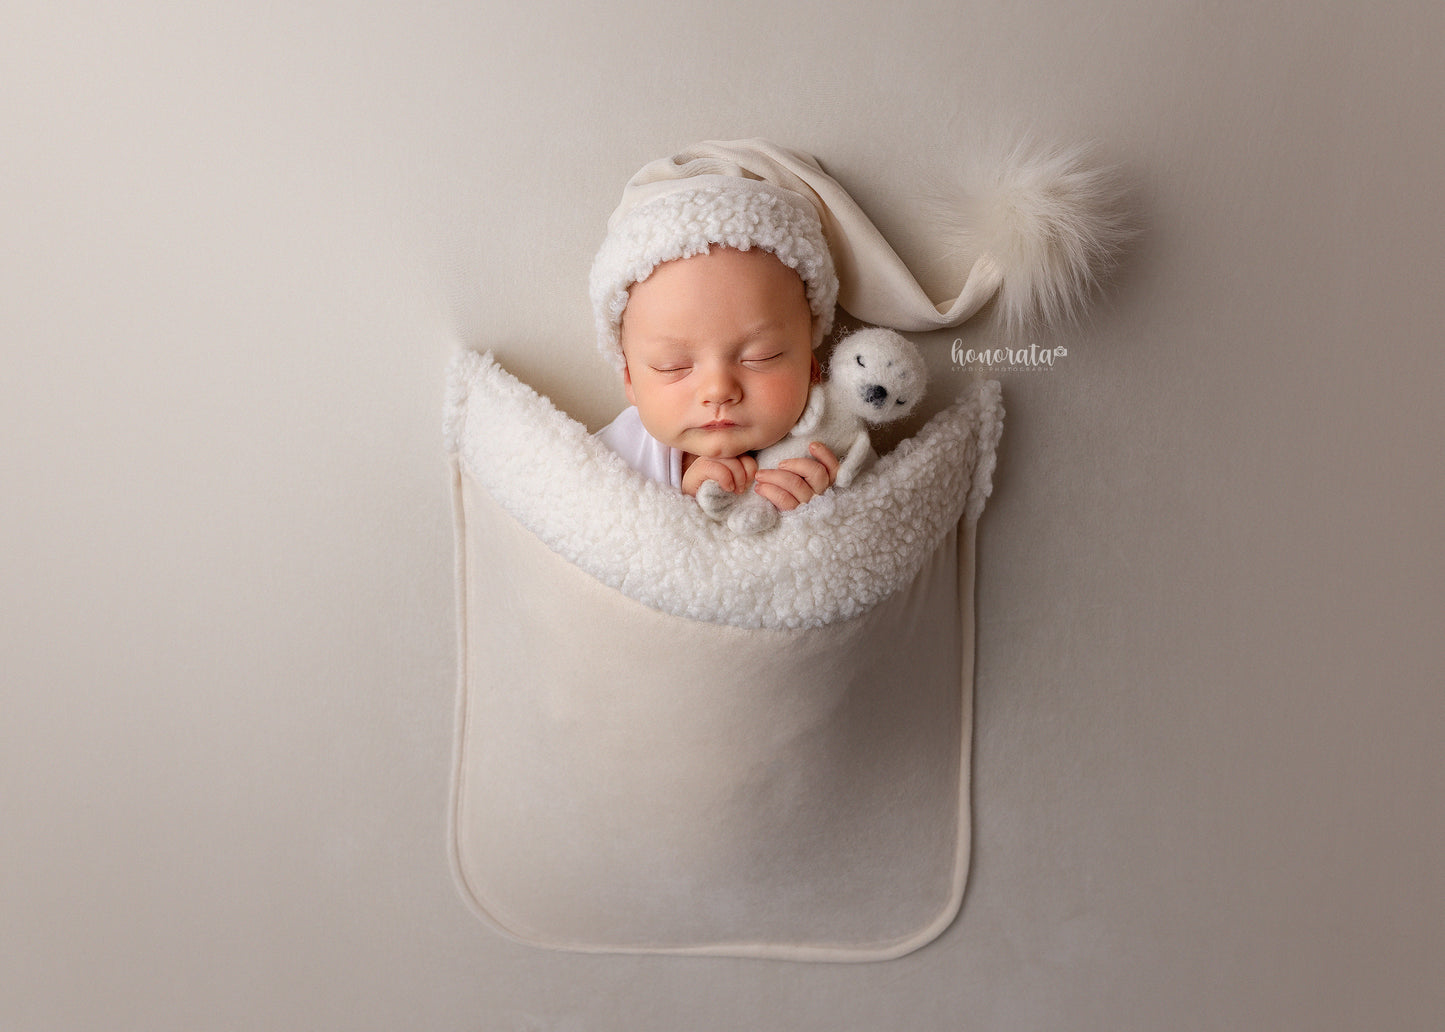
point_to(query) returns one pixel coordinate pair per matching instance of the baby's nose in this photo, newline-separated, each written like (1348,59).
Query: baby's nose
(720,385)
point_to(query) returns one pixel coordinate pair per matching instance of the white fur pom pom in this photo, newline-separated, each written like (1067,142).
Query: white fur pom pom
(1053,222)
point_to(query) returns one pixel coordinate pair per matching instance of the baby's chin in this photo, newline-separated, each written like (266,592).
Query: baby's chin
(722,444)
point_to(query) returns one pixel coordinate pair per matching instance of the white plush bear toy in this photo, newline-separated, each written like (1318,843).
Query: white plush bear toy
(874,377)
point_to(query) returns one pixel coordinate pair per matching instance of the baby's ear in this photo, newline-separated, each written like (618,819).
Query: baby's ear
(627,385)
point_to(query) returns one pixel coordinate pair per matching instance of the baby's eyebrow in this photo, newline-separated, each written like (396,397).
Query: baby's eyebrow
(669,347)
(742,340)
(760,330)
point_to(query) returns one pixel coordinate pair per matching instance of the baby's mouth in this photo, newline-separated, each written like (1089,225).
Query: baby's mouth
(719,424)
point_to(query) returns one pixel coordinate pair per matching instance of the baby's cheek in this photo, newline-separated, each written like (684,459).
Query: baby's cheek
(796,400)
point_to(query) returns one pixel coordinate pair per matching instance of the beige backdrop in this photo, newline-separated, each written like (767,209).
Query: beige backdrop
(238,245)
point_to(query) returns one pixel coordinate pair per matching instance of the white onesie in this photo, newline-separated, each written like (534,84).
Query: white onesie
(627,437)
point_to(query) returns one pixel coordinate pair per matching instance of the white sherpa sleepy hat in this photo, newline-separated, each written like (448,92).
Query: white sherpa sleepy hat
(1041,234)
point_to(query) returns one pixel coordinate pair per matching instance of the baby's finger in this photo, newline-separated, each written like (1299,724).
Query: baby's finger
(781,500)
(783,488)
(811,470)
(717,472)
(704,470)
(729,480)
(824,454)
(741,469)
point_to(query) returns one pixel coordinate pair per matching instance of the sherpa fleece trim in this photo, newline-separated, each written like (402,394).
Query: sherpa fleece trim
(829,560)
(690,217)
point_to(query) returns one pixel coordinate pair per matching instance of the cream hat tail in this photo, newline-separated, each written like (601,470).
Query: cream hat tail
(1052,221)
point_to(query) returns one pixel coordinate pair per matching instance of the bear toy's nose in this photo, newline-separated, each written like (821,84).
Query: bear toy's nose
(875,394)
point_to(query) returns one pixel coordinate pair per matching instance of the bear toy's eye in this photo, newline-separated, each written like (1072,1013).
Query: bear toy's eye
(859,360)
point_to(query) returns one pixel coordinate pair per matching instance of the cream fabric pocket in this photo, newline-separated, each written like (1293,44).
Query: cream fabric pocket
(633,779)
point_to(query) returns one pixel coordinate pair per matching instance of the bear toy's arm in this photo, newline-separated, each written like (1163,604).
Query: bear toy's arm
(852,464)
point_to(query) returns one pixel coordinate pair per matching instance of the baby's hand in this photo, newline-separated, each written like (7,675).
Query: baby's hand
(796,481)
(732,475)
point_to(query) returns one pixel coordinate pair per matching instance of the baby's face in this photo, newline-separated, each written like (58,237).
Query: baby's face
(719,351)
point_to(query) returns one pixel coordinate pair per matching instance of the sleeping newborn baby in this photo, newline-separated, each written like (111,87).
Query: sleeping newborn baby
(711,291)
(718,363)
